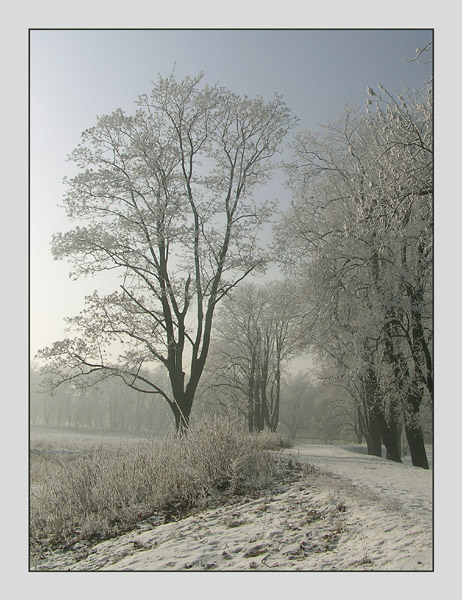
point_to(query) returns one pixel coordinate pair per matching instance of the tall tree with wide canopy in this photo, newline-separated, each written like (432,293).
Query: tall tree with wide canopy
(360,235)
(164,197)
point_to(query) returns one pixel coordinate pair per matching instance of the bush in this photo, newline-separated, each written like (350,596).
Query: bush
(104,492)
(273,441)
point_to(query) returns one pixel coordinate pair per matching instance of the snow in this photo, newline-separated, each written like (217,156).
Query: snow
(351,512)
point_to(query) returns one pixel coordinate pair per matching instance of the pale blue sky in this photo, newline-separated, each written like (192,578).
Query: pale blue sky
(76,75)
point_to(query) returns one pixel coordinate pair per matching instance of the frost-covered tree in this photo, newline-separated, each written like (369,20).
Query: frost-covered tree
(164,197)
(359,236)
(252,343)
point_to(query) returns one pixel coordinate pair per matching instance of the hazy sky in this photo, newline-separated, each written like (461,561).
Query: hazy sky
(77,75)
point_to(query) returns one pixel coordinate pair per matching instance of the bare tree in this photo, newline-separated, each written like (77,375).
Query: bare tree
(252,342)
(164,197)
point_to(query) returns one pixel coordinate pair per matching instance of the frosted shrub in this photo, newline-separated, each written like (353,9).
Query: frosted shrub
(108,491)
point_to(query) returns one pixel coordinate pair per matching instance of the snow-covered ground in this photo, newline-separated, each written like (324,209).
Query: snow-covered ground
(352,512)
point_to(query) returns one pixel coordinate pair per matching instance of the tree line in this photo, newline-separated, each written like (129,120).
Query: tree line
(358,240)
(108,407)
(306,409)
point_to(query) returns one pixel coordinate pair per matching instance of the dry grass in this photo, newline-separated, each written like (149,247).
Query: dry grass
(274,441)
(95,494)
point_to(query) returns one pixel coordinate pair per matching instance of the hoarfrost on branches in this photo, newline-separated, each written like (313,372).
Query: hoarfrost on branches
(164,197)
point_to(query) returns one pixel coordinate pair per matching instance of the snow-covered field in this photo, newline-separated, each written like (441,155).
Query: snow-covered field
(352,512)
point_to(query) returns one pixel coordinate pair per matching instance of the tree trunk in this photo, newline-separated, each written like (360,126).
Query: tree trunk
(264,405)
(374,413)
(181,419)
(250,416)
(416,446)
(413,429)
(250,409)
(258,417)
(265,408)
(46,411)
(391,439)
(277,400)
(374,439)
(358,428)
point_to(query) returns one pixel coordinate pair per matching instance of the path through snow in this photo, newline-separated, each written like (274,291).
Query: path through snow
(354,512)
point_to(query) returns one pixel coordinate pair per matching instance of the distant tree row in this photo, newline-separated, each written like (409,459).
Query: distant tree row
(109,407)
